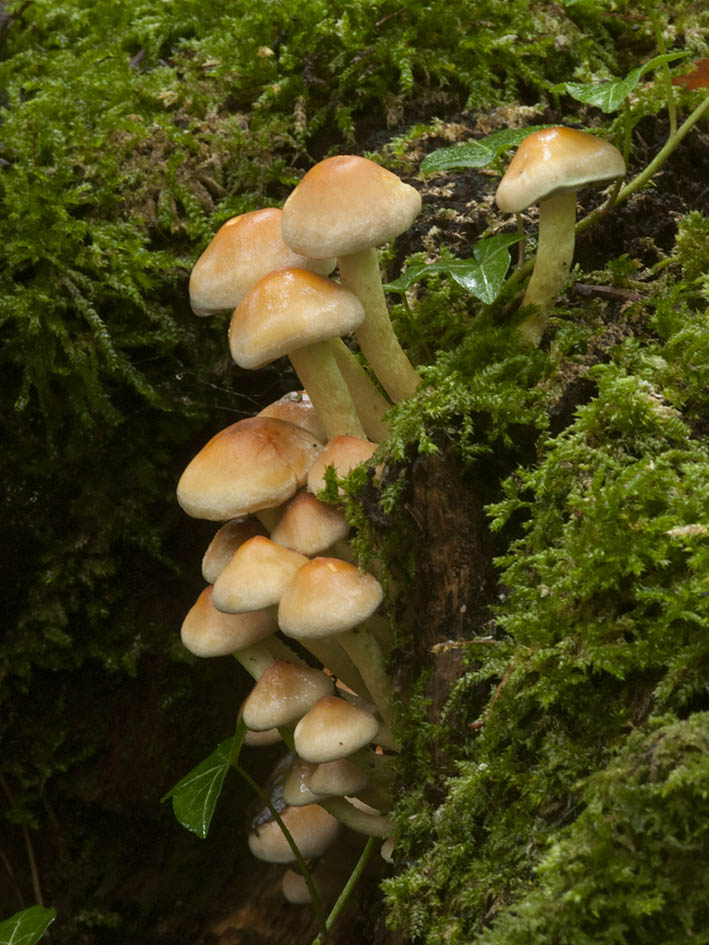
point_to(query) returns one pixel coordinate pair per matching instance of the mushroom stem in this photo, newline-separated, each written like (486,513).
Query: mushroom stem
(329,652)
(359,273)
(555,250)
(367,655)
(372,825)
(370,403)
(280,650)
(255,659)
(317,369)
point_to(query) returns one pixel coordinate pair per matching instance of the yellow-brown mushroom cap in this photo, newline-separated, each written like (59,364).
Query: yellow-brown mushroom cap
(255,464)
(208,632)
(243,250)
(296,407)
(346,204)
(333,729)
(310,526)
(290,309)
(343,453)
(225,542)
(313,829)
(327,596)
(556,161)
(283,694)
(256,575)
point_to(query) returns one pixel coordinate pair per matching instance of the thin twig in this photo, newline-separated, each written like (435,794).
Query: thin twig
(28,846)
(13,880)
(503,681)
(461,644)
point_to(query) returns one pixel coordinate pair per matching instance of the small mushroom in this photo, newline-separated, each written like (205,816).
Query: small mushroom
(243,250)
(548,168)
(329,597)
(313,830)
(256,576)
(224,543)
(343,453)
(346,206)
(333,729)
(284,693)
(296,784)
(294,312)
(296,407)
(207,631)
(254,464)
(310,526)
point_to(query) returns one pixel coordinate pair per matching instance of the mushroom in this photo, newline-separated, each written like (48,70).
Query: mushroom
(296,784)
(296,407)
(332,598)
(548,168)
(310,526)
(332,729)
(263,739)
(329,876)
(295,312)
(341,452)
(346,206)
(312,828)
(243,250)
(256,576)
(207,631)
(338,778)
(283,694)
(254,464)
(224,543)
(358,816)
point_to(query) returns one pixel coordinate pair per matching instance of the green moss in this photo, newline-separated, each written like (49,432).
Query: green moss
(130,132)
(604,623)
(634,865)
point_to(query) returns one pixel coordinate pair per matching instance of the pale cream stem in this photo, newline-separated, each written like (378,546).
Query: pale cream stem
(555,251)
(319,374)
(370,403)
(359,273)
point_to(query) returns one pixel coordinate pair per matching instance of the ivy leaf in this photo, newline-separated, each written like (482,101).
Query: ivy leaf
(482,276)
(477,153)
(195,796)
(26,927)
(608,96)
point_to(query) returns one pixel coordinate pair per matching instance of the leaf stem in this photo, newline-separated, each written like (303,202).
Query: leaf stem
(348,888)
(666,77)
(672,142)
(302,865)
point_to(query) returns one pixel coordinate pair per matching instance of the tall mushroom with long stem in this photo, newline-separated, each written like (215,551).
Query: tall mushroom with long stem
(328,598)
(244,250)
(294,312)
(548,168)
(346,206)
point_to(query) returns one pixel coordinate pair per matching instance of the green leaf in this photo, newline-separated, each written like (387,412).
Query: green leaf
(26,927)
(608,96)
(195,796)
(477,153)
(482,276)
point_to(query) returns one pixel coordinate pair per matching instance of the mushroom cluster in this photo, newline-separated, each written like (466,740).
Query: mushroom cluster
(283,594)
